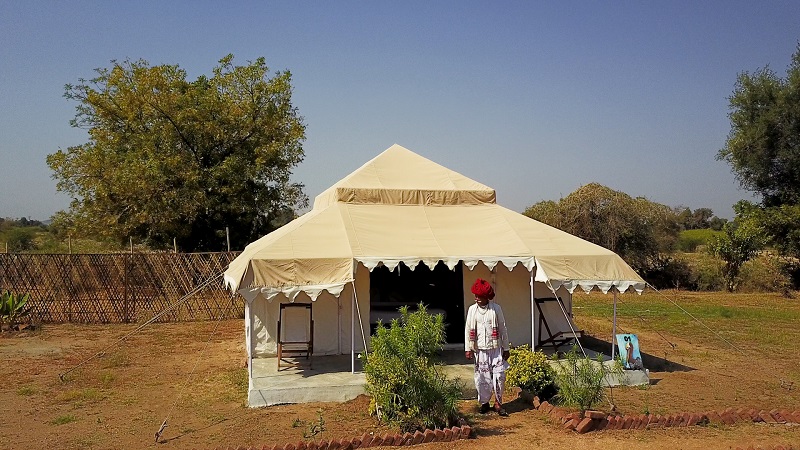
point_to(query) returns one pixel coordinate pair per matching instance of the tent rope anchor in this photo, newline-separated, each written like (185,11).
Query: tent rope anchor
(161,430)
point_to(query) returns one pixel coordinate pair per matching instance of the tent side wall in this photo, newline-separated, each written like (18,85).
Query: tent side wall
(514,296)
(265,324)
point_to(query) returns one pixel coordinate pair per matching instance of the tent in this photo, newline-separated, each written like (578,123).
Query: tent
(401,212)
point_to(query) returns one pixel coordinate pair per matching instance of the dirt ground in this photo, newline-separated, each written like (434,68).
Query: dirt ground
(195,380)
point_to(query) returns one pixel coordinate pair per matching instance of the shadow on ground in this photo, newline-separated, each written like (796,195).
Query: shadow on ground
(651,362)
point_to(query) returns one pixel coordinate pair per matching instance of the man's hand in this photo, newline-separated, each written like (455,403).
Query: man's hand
(468,354)
(506,354)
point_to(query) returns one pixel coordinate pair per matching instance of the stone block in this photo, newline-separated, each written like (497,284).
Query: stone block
(787,415)
(428,436)
(536,402)
(714,417)
(727,418)
(466,431)
(456,433)
(777,416)
(439,435)
(766,417)
(448,435)
(584,426)
(628,423)
(595,414)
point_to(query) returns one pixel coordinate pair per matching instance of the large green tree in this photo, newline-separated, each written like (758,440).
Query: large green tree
(171,158)
(635,228)
(763,148)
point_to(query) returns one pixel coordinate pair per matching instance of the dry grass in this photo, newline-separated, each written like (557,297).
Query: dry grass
(747,358)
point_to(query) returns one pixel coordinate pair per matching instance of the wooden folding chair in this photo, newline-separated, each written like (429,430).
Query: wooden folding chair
(557,339)
(295,346)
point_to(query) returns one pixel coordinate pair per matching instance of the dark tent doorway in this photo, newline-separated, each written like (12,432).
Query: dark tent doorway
(440,290)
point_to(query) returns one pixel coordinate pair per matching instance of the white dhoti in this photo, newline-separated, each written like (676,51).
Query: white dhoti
(490,374)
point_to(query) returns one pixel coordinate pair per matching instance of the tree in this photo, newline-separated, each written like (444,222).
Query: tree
(21,239)
(763,146)
(172,158)
(635,228)
(740,242)
(763,149)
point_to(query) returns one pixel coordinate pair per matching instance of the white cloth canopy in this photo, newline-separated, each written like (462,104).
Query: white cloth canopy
(401,207)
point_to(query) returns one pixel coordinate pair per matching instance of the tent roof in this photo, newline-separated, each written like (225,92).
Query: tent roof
(377,217)
(400,176)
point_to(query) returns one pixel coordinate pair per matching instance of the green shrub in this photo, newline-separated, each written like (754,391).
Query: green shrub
(707,272)
(13,308)
(669,272)
(581,380)
(530,371)
(765,273)
(407,386)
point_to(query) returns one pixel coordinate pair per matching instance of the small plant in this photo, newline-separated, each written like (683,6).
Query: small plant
(297,422)
(106,378)
(407,386)
(530,371)
(315,428)
(61,420)
(13,308)
(581,380)
(26,391)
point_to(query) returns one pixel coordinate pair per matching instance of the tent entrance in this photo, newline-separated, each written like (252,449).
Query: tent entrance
(440,290)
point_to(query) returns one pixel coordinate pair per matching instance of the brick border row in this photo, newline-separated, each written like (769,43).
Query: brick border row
(369,440)
(569,420)
(598,420)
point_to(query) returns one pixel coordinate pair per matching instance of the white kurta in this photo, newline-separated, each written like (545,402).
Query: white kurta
(490,368)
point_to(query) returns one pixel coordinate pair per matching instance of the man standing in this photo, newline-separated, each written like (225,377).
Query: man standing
(486,341)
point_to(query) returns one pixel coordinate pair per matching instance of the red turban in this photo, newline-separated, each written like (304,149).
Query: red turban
(482,288)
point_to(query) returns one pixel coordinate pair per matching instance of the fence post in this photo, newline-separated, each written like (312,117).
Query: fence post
(125,304)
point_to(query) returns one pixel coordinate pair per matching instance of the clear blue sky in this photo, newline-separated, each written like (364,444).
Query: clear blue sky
(532,98)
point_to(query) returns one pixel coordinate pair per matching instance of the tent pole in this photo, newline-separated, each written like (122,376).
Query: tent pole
(248,327)
(614,325)
(353,332)
(533,316)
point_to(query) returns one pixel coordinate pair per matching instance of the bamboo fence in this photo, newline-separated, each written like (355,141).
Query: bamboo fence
(121,287)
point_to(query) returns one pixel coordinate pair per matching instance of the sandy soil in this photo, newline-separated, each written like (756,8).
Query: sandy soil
(191,374)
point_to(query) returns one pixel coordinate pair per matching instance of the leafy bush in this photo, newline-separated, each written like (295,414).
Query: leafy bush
(530,371)
(13,308)
(407,386)
(580,380)
(668,271)
(765,273)
(707,273)
(20,239)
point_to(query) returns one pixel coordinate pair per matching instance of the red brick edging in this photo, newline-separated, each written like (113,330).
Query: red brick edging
(598,420)
(368,440)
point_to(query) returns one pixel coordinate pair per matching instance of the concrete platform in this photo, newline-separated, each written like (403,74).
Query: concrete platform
(329,379)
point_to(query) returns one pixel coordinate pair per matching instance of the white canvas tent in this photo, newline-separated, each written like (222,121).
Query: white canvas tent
(402,208)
